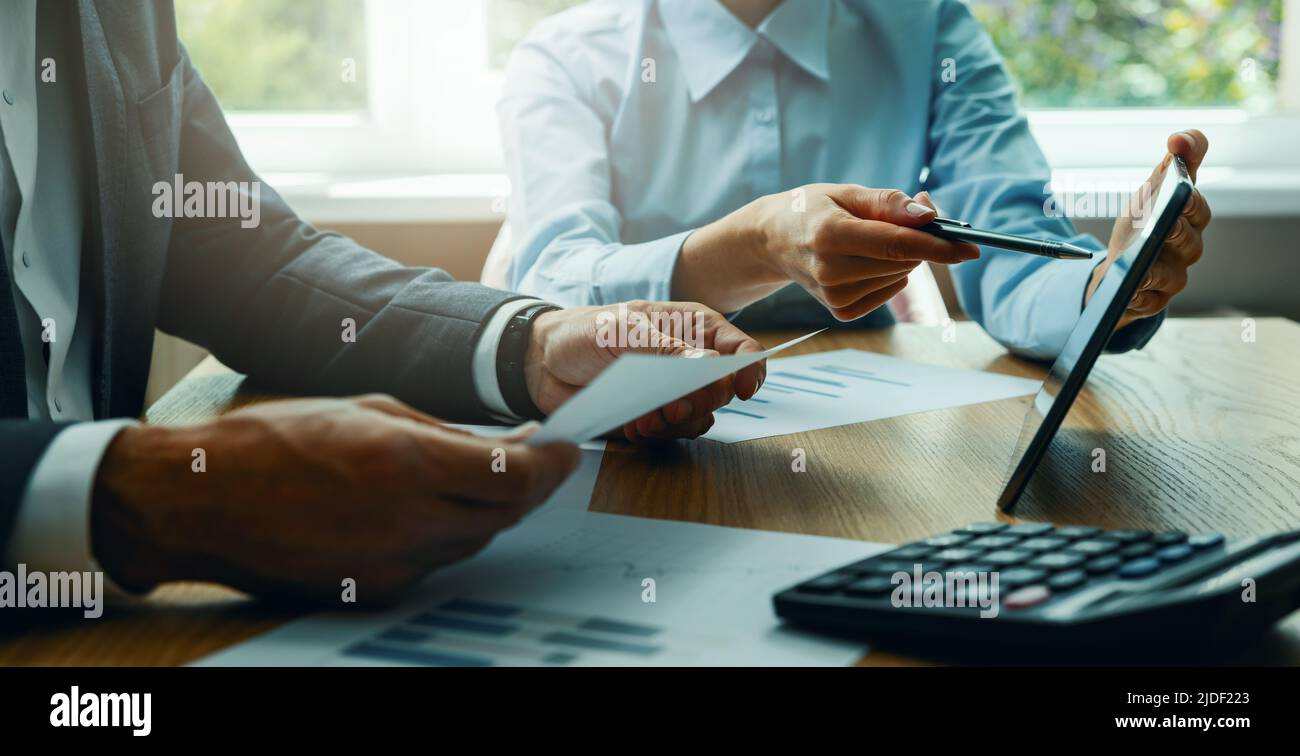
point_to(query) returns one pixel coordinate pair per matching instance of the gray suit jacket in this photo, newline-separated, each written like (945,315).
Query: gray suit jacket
(267,301)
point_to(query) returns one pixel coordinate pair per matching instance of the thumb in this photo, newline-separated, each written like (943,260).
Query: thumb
(925,199)
(651,340)
(888,205)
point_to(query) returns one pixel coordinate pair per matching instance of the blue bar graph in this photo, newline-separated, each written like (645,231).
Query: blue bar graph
(799,389)
(468,632)
(730,411)
(822,381)
(859,374)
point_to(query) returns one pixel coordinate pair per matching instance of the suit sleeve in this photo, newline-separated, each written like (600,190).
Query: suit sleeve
(278,301)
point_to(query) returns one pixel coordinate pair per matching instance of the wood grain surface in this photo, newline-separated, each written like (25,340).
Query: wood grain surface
(1201,431)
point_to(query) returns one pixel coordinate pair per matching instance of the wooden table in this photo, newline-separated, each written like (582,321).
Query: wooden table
(1201,431)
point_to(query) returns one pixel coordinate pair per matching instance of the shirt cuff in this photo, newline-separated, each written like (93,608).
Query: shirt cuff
(485,358)
(52,527)
(1135,335)
(1060,303)
(639,271)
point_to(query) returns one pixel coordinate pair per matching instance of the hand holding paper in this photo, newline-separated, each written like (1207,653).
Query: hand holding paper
(637,384)
(571,348)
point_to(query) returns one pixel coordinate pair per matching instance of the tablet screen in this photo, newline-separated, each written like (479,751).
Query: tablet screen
(1153,213)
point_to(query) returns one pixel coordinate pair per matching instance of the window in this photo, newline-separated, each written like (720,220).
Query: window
(278,54)
(382,87)
(1138,53)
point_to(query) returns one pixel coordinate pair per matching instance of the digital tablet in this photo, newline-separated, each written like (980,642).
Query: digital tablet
(1155,213)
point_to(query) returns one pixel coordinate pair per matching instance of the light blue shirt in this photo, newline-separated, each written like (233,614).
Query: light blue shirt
(627,124)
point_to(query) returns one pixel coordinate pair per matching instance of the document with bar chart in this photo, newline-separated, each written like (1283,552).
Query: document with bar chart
(569,588)
(847,386)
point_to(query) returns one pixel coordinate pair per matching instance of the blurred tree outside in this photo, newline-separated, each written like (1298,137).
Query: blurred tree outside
(1085,53)
(1125,53)
(278,54)
(289,54)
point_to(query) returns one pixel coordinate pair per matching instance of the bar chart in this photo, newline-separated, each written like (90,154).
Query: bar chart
(829,389)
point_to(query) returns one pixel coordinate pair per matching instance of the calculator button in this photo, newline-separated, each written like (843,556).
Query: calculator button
(945,541)
(911,552)
(1139,568)
(1028,596)
(888,567)
(1169,538)
(1174,553)
(1128,535)
(1205,540)
(972,567)
(1029,529)
(1005,557)
(870,586)
(1042,544)
(1077,531)
(957,555)
(827,583)
(993,542)
(981,528)
(1019,576)
(1094,547)
(1137,550)
(1062,561)
(1064,581)
(1102,565)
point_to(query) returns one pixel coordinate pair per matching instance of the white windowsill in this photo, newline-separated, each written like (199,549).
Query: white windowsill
(438,198)
(481,198)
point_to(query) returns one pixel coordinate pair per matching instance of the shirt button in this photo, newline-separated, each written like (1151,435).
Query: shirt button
(9,98)
(58,407)
(765,115)
(27,262)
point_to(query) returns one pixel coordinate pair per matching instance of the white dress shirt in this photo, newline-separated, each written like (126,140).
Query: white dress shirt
(42,211)
(627,125)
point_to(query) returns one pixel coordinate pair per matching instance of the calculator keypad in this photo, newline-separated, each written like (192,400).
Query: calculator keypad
(1035,562)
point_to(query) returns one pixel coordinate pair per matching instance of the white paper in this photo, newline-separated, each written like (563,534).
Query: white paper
(569,588)
(636,384)
(829,389)
(575,492)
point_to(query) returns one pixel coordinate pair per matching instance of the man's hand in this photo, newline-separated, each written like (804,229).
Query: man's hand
(569,348)
(300,495)
(850,246)
(1168,274)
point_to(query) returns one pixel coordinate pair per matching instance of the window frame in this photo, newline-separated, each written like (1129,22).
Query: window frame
(402,132)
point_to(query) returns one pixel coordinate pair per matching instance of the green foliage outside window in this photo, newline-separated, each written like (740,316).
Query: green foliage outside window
(278,54)
(1117,53)
(290,54)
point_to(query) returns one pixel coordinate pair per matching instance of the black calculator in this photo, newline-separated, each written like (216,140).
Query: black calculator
(1065,588)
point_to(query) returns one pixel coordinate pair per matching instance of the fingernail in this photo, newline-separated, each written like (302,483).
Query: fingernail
(526,429)
(694,353)
(917,210)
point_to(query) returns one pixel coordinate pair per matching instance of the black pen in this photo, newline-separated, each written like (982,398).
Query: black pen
(959,231)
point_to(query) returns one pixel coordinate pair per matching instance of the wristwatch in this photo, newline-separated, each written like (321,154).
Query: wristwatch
(511,354)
